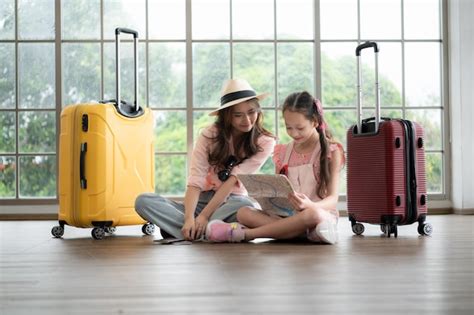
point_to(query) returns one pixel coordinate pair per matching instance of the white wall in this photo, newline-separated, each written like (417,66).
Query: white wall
(461,100)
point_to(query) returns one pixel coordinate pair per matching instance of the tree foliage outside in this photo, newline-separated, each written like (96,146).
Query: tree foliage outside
(82,71)
(37,129)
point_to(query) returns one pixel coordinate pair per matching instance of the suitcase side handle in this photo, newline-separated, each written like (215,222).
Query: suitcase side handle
(122,107)
(82,165)
(367,120)
(359,85)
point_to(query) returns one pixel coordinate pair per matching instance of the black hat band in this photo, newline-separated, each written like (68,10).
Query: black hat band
(236,95)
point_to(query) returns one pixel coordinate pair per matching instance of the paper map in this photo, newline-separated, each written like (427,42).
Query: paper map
(270,191)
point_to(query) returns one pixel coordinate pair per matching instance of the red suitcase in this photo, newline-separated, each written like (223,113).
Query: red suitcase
(386,179)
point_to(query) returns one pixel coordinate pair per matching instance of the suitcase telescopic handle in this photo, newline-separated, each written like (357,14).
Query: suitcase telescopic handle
(359,48)
(118,31)
(367,45)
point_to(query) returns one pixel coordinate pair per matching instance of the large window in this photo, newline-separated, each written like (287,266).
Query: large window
(57,53)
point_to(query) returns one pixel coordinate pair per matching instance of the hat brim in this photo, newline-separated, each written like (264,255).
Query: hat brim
(238,101)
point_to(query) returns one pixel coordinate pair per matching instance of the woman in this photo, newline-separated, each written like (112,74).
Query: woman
(235,143)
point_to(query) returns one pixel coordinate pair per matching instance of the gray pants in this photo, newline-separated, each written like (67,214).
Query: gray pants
(168,215)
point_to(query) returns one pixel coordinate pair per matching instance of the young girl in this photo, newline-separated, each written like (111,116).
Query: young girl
(312,162)
(236,143)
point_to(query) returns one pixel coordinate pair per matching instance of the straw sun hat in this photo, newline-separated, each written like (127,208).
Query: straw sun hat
(235,91)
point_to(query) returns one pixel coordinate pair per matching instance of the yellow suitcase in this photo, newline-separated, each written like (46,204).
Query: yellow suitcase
(106,159)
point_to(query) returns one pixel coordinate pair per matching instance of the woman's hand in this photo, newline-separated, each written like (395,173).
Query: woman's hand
(189,230)
(300,201)
(201,224)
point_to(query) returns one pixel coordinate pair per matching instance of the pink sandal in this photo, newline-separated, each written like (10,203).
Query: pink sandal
(218,231)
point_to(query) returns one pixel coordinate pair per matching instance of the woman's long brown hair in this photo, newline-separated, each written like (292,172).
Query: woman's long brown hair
(244,147)
(304,103)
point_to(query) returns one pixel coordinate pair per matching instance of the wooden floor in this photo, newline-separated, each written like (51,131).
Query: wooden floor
(129,274)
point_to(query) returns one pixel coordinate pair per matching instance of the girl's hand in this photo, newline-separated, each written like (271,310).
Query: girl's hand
(201,224)
(189,230)
(299,201)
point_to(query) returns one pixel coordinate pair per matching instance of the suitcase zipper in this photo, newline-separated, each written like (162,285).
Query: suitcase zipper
(410,173)
(75,198)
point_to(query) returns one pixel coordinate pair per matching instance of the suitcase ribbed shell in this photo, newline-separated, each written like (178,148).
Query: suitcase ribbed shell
(376,173)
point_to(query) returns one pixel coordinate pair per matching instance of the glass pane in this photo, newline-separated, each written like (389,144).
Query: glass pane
(283,136)
(7,129)
(38,176)
(124,13)
(423,74)
(211,19)
(390,75)
(295,69)
(170,174)
(37,75)
(7,177)
(255,63)
(7,16)
(170,131)
(127,76)
(338,19)
(421,19)
(268,167)
(380,19)
(269,120)
(37,132)
(7,79)
(80,19)
(81,73)
(252,19)
(211,67)
(201,120)
(390,113)
(167,75)
(339,122)
(338,74)
(295,19)
(36,19)
(430,120)
(434,174)
(167,19)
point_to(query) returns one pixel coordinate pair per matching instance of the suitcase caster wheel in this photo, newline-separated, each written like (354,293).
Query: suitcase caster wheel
(110,229)
(57,231)
(98,233)
(358,229)
(425,229)
(387,230)
(148,229)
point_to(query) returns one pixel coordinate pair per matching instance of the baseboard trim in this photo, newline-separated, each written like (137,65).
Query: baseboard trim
(29,217)
(54,216)
(464,211)
(436,211)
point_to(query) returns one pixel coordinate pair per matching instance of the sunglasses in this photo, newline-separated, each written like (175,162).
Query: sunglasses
(229,164)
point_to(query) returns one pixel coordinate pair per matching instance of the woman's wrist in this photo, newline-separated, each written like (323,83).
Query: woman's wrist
(205,214)
(189,218)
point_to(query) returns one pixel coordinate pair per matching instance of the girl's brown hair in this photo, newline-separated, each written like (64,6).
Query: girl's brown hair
(304,103)
(244,147)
